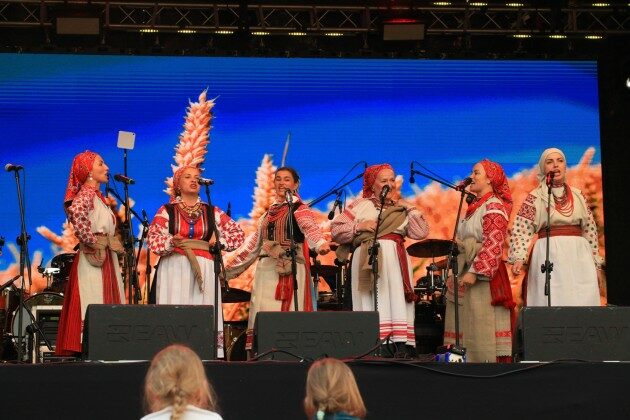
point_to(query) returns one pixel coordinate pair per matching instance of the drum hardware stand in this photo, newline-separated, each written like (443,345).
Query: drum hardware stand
(291,251)
(25,262)
(143,236)
(547,267)
(129,274)
(220,276)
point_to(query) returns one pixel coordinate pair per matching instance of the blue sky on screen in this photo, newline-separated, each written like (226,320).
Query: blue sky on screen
(445,114)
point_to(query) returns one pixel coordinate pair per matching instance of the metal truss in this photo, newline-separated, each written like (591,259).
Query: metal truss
(314,19)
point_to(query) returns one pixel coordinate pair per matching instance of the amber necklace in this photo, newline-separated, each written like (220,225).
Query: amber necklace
(193,211)
(564,203)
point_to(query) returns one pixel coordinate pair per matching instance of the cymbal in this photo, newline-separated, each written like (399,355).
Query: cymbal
(430,248)
(235,295)
(325,270)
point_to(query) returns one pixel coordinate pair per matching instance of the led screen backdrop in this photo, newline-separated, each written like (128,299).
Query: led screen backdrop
(446,115)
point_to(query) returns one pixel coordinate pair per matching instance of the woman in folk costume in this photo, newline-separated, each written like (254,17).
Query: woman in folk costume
(272,289)
(573,245)
(355,229)
(485,296)
(182,233)
(95,274)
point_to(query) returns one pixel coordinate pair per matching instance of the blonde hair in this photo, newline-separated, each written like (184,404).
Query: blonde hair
(331,388)
(176,377)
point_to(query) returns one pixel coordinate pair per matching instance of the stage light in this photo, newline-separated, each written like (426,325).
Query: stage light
(478,4)
(601,4)
(223,32)
(186,31)
(260,33)
(441,3)
(514,4)
(333,34)
(297,33)
(557,36)
(149,30)
(593,37)
(521,36)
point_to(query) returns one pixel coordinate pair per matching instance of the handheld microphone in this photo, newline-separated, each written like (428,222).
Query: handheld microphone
(229,209)
(384,192)
(288,196)
(124,179)
(549,177)
(11,167)
(462,185)
(412,179)
(205,181)
(337,203)
(144,214)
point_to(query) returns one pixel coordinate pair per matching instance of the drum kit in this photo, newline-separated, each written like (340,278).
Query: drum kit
(431,293)
(40,312)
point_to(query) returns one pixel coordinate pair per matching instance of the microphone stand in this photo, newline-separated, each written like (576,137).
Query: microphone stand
(547,267)
(22,241)
(130,264)
(452,258)
(291,252)
(219,271)
(335,191)
(373,251)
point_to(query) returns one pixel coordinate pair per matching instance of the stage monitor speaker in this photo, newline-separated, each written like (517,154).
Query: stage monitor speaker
(572,332)
(138,332)
(294,335)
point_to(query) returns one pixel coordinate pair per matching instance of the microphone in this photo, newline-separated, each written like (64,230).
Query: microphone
(288,196)
(229,209)
(11,167)
(549,177)
(462,185)
(124,179)
(412,179)
(144,214)
(205,181)
(384,192)
(335,205)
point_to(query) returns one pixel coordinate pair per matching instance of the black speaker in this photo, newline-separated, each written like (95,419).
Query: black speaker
(573,332)
(315,334)
(138,332)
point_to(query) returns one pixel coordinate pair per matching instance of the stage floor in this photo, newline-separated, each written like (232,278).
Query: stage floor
(392,389)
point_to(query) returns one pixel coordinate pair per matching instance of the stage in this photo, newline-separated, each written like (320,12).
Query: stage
(392,389)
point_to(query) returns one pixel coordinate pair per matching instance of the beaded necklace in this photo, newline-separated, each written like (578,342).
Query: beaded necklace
(564,203)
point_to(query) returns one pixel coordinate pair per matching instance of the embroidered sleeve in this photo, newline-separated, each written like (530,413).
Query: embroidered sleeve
(79,215)
(589,232)
(343,226)
(159,240)
(246,254)
(309,227)
(488,258)
(523,230)
(418,228)
(232,235)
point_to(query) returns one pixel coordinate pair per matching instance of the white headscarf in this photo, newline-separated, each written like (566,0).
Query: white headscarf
(541,163)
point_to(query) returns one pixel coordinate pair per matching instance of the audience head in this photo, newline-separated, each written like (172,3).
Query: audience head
(177,378)
(331,388)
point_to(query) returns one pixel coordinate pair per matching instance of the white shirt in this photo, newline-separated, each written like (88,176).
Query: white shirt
(191,413)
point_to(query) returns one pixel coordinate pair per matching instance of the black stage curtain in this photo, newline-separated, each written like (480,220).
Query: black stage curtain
(274,390)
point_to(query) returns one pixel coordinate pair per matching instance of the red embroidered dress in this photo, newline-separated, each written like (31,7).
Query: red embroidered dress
(90,216)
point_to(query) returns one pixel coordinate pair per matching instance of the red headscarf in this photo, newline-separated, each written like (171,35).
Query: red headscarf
(499,183)
(369,177)
(177,176)
(79,172)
